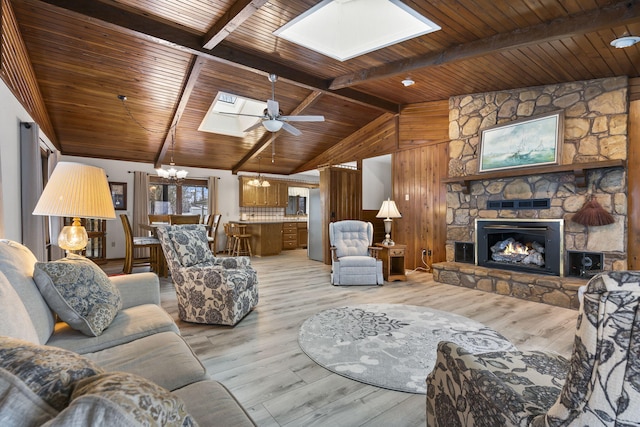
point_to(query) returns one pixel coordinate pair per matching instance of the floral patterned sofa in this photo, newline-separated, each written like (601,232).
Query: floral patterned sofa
(210,290)
(599,386)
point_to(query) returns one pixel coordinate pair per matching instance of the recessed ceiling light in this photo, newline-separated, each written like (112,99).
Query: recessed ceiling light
(408,81)
(344,29)
(626,41)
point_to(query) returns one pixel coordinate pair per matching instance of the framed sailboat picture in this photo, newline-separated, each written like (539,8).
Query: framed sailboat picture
(534,141)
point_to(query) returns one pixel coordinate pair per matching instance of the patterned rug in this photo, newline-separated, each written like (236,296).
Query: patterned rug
(390,345)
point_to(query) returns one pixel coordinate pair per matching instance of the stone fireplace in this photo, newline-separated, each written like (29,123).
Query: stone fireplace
(534,246)
(595,133)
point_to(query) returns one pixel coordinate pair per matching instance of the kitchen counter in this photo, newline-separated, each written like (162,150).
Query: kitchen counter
(266,235)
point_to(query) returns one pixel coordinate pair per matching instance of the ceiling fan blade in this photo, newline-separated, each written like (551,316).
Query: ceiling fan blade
(240,114)
(293,131)
(303,118)
(257,125)
(273,108)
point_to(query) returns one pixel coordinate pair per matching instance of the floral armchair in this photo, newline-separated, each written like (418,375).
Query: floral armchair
(599,386)
(210,290)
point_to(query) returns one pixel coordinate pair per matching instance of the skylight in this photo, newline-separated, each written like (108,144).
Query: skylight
(231,124)
(344,29)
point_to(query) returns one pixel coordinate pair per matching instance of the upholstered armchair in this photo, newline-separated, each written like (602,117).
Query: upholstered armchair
(354,261)
(599,386)
(210,290)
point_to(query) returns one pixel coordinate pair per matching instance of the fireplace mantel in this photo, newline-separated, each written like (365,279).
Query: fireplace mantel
(578,170)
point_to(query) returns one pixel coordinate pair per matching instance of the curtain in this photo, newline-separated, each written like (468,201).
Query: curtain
(33,232)
(55,223)
(140,207)
(213,194)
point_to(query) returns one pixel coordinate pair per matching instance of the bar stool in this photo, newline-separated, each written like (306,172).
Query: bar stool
(228,232)
(242,243)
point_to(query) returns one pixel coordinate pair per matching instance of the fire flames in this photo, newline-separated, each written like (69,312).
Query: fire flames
(517,249)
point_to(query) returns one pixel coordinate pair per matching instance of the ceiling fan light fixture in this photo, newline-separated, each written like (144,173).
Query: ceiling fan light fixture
(625,41)
(408,82)
(272,125)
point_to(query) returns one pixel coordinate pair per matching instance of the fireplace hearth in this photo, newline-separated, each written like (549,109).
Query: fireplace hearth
(527,245)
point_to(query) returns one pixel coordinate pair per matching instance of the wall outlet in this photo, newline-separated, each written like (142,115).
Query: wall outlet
(113,244)
(429,252)
(424,252)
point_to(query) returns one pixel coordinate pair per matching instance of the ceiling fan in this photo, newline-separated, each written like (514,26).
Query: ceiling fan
(273,120)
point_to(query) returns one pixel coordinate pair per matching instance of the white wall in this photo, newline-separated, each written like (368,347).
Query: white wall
(11,115)
(376,181)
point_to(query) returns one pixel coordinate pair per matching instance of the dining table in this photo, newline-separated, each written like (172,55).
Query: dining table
(163,270)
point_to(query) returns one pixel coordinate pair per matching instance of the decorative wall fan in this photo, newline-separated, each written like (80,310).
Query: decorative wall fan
(273,120)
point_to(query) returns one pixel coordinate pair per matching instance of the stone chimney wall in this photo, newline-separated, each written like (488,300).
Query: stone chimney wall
(595,129)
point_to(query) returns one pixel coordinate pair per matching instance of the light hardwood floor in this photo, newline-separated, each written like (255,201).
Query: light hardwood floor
(260,361)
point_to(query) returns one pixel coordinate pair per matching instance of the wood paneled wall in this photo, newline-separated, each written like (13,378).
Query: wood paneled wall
(423,123)
(419,141)
(16,71)
(633,187)
(340,198)
(421,198)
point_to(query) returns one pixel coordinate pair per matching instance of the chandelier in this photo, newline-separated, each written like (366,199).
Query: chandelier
(172,175)
(259,181)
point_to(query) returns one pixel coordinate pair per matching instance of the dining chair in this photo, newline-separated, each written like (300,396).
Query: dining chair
(184,219)
(132,243)
(159,218)
(213,222)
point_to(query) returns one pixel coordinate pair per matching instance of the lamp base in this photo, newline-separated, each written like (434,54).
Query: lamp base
(387,240)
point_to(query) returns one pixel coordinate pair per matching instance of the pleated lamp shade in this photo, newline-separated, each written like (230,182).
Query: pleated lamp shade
(78,191)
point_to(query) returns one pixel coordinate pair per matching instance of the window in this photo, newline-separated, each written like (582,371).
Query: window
(191,197)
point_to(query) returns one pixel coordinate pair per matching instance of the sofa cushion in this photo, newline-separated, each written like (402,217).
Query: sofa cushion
(129,325)
(16,321)
(79,292)
(163,358)
(49,372)
(120,398)
(191,246)
(17,263)
(19,405)
(211,404)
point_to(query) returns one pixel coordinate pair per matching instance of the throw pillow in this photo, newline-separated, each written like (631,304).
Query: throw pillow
(79,292)
(16,321)
(19,405)
(120,398)
(50,372)
(191,246)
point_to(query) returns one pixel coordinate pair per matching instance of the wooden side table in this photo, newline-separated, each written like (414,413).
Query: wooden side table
(392,261)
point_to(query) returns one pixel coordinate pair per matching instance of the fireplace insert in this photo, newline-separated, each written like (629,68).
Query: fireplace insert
(527,245)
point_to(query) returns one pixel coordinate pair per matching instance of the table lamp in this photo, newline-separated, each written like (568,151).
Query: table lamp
(388,210)
(78,191)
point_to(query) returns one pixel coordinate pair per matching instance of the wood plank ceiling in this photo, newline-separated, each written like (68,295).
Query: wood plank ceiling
(170,58)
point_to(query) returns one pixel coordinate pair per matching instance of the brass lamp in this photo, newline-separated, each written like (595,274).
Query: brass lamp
(388,211)
(78,191)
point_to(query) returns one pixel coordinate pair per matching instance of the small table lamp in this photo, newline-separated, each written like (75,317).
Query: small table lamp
(78,191)
(388,210)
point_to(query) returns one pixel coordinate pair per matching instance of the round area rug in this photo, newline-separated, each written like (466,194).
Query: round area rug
(390,345)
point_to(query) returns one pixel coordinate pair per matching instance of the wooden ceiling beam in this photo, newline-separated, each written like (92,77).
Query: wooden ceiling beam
(158,32)
(619,14)
(239,12)
(268,137)
(187,88)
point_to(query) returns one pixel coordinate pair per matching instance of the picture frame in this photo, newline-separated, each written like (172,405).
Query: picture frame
(534,141)
(118,195)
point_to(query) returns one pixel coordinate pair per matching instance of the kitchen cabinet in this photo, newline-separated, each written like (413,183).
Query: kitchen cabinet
(294,235)
(274,196)
(303,235)
(265,237)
